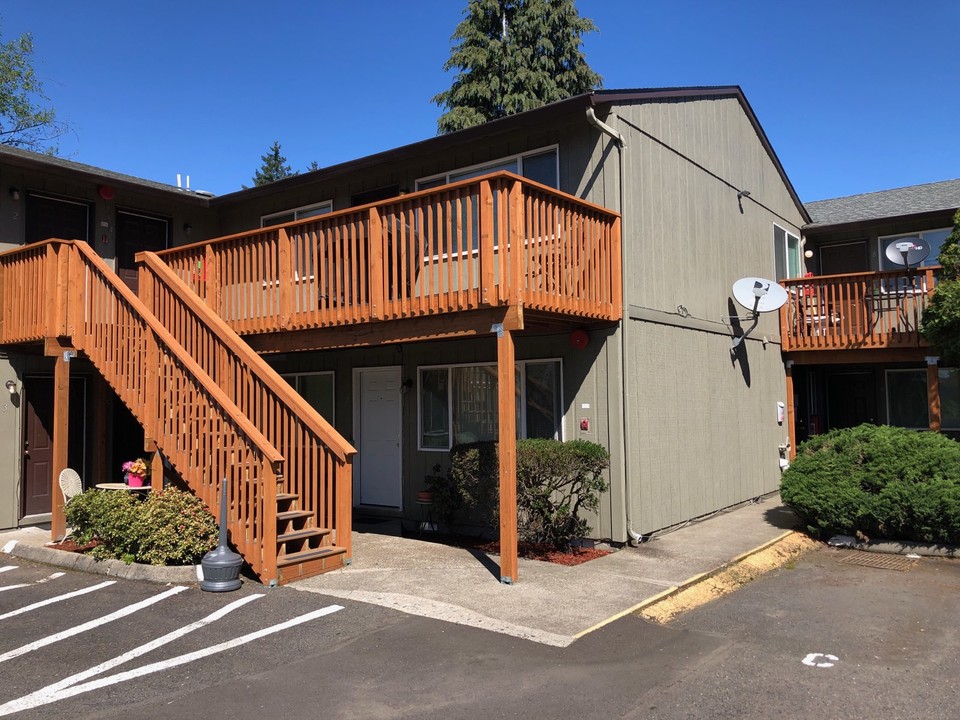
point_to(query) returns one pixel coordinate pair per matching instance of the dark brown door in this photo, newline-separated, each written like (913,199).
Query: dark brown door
(48,217)
(38,444)
(137,233)
(851,399)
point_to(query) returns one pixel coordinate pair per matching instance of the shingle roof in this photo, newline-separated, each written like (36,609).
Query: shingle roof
(912,200)
(28,158)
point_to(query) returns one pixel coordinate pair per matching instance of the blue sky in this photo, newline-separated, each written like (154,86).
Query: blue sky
(855,95)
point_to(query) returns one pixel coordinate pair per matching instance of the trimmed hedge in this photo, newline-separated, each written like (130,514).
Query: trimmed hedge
(555,481)
(877,481)
(169,527)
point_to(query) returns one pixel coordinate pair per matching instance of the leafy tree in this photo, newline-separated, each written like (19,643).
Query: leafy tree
(24,122)
(511,56)
(941,319)
(274,167)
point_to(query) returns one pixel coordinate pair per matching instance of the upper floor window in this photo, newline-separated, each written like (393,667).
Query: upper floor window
(786,254)
(306,211)
(540,165)
(934,238)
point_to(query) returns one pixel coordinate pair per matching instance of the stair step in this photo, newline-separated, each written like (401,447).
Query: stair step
(305,555)
(301,534)
(293,515)
(309,562)
(283,497)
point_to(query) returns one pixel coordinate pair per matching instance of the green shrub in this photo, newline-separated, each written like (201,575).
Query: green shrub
(880,481)
(555,481)
(174,528)
(105,516)
(169,527)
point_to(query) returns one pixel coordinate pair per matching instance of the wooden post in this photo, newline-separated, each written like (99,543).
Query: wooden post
(507,450)
(487,259)
(209,279)
(517,273)
(286,276)
(61,437)
(375,240)
(344,509)
(933,392)
(156,470)
(791,410)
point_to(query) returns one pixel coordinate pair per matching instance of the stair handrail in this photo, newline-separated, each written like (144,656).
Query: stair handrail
(263,445)
(270,377)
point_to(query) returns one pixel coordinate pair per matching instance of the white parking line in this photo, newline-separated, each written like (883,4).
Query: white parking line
(48,578)
(58,598)
(97,622)
(7,568)
(50,694)
(138,651)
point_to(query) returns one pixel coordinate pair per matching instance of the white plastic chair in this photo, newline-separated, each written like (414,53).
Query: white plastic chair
(70,484)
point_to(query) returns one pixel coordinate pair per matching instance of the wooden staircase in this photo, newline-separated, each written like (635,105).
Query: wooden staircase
(207,401)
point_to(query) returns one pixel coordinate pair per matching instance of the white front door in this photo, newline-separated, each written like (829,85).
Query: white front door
(379,437)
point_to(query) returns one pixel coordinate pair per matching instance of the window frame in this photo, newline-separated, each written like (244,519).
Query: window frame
(941,371)
(883,240)
(520,367)
(786,253)
(333,388)
(299,213)
(444,177)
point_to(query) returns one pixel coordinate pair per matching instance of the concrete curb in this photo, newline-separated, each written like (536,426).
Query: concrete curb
(112,568)
(693,580)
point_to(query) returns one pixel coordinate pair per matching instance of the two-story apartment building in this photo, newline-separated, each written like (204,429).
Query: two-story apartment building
(564,272)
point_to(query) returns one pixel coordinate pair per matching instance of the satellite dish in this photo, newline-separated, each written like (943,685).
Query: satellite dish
(907,251)
(759,295)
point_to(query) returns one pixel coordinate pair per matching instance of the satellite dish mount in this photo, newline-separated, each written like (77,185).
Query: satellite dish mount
(758,295)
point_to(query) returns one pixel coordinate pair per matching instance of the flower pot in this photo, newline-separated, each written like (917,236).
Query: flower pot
(424,496)
(134,480)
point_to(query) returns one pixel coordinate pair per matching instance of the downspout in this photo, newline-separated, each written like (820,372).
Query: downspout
(635,537)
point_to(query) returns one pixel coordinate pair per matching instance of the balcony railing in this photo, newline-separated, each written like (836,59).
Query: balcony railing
(491,241)
(874,310)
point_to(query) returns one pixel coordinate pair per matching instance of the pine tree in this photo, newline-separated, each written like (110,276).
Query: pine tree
(511,56)
(274,167)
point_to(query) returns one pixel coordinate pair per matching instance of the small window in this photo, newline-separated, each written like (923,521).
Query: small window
(786,254)
(300,213)
(317,389)
(907,399)
(949,398)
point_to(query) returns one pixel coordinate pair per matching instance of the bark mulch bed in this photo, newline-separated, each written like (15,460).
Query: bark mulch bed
(70,545)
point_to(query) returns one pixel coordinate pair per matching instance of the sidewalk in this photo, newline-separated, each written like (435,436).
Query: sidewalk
(551,604)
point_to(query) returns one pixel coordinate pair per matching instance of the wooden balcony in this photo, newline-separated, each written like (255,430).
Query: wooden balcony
(876,312)
(491,244)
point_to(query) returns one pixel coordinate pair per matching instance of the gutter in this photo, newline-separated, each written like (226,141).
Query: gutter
(635,537)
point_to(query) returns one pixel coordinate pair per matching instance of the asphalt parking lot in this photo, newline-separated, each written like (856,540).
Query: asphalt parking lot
(820,637)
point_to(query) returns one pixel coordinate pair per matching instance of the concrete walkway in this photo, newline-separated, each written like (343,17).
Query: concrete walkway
(551,604)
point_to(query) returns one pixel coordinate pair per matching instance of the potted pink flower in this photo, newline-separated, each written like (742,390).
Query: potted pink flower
(135,472)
